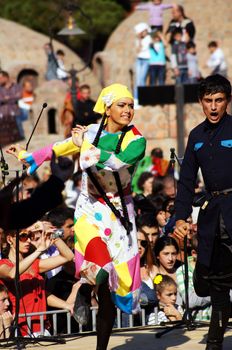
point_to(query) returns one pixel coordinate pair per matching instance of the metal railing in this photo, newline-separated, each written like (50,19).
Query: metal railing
(120,323)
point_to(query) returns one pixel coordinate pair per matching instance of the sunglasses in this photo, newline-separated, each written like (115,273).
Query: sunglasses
(143,243)
(23,237)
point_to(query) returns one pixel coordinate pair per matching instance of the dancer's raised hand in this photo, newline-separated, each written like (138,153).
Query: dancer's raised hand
(78,134)
(14,150)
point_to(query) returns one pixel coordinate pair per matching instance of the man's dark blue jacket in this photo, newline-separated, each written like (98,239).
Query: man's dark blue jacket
(210,149)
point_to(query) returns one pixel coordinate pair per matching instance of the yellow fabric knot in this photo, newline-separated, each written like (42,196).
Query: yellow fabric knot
(158,279)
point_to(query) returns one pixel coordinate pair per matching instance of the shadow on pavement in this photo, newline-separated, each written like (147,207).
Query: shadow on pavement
(148,341)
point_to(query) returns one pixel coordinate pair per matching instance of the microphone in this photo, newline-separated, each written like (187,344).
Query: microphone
(42,109)
(172,157)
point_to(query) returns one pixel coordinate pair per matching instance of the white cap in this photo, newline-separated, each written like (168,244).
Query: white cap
(140,27)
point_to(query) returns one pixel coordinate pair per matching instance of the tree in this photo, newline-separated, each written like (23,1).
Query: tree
(41,16)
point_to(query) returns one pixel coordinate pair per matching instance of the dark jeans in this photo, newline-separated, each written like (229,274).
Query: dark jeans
(157,74)
(182,78)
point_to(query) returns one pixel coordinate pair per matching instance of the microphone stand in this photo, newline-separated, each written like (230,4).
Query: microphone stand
(37,121)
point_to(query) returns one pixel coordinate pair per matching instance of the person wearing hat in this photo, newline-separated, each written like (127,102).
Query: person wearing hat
(106,251)
(142,44)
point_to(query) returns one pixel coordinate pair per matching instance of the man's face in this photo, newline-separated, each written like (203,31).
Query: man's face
(68,228)
(152,234)
(214,106)
(85,94)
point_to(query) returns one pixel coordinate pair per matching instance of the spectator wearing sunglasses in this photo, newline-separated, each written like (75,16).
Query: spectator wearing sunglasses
(31,289)
(148,225)
(148,272)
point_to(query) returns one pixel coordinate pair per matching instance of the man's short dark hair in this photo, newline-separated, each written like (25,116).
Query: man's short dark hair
(59,215)
(212,44)
(214,84)
(147,219)
(60,52)
(85,86)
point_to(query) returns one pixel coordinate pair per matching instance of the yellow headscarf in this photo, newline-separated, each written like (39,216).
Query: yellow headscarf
(109,95)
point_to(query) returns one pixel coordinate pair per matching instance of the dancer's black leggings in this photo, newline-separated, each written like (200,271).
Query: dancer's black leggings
(105,317)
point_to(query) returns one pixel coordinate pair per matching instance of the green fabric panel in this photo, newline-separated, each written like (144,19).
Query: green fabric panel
(102,276)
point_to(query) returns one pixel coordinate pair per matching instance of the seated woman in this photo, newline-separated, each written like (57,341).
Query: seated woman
(166,290)
(165,251)
(31,289)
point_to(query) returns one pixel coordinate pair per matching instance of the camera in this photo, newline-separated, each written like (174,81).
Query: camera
(58,233)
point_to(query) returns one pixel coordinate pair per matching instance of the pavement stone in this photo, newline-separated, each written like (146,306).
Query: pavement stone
(142,339)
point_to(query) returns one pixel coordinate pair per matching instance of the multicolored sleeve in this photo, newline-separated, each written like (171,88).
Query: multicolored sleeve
(127,157)
(35,159)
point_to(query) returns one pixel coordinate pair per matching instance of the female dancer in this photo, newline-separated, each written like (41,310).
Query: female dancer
(106,251)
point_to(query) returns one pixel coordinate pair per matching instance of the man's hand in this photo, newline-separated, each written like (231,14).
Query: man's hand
(182,229)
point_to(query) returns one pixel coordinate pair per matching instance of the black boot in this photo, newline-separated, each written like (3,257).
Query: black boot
(81,310)
(218,324)
(214,345)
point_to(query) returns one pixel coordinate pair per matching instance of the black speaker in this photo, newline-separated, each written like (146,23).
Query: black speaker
(165,94)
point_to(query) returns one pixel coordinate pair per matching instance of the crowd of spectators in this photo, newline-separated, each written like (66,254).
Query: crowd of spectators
(47,271)
(161,47)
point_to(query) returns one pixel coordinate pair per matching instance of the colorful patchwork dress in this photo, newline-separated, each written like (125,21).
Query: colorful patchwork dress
(103,249)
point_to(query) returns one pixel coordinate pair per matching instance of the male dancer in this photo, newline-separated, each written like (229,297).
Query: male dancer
(210,149)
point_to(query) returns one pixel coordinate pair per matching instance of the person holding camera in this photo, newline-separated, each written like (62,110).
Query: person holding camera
(32,285)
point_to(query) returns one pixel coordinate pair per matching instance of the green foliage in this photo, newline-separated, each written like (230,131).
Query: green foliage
(42,15)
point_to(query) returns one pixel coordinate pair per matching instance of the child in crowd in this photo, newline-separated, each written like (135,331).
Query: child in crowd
(142,43)
(61,72)
(179,58)
(6,317)
(201,309)
(156,9)
(157,59)
(166,291)
(192,62)
(216,61)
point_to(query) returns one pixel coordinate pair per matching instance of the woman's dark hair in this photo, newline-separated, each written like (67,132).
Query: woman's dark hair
(158,186)
(143,178)
(157,202)
(181,9)
(214,84)
(163,242)
(148,257)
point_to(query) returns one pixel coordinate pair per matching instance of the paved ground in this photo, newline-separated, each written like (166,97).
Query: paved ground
(140,340)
